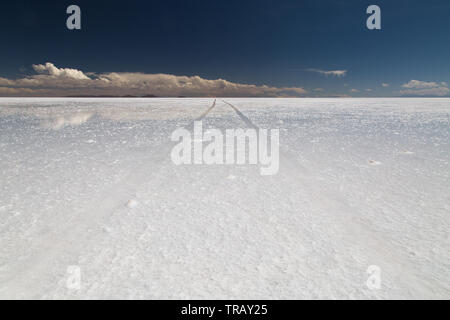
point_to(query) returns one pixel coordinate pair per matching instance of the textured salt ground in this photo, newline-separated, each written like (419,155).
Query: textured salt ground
(90,183)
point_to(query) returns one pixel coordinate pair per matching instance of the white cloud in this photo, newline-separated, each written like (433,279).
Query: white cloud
(50,69)
(439,92)
(368,90)
(5,82)
(417,84)
(6,91)
(55,81)
(385,85)
(336,73)
(423,88)
(354,90)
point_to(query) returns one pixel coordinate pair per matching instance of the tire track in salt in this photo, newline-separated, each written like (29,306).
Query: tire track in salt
(65,245)
(204,114)
(392,257)
(242,116)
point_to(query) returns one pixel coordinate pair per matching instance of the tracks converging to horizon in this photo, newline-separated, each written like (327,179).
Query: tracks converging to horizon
(318,223)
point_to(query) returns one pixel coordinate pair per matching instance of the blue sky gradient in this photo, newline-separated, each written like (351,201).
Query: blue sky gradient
(276,43)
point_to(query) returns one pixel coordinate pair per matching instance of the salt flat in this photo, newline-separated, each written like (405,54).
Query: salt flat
(89,183)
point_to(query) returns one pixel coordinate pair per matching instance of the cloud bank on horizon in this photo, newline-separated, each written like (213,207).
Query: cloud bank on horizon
(53,81)
(423,88)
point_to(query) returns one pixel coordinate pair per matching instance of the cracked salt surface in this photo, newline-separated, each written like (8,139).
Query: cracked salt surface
(90,183)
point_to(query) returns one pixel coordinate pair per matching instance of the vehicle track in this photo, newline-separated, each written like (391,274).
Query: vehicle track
(390,257)
(62,246)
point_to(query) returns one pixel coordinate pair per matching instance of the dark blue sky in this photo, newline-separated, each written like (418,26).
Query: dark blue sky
(246,41)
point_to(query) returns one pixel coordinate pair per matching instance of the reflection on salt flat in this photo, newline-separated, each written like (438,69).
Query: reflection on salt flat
(58,122)
(58,113)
